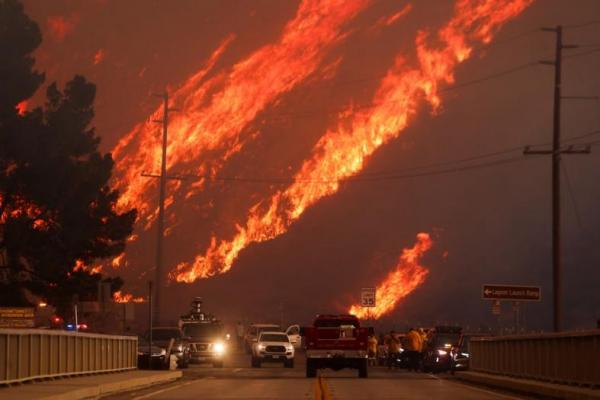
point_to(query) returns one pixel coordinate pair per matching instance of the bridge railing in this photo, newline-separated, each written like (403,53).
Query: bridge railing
(569,358)
(27,354)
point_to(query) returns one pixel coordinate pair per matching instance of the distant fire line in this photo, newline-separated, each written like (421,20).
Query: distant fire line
(342,151)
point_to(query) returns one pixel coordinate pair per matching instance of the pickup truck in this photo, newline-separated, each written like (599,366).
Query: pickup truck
(336,342)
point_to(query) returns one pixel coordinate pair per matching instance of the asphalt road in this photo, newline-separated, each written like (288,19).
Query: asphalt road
(237,380)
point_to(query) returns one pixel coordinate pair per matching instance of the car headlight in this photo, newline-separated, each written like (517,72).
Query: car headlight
(466,355)
(261,347)
(163,352)
(289,347)
(219,348)
(442,352)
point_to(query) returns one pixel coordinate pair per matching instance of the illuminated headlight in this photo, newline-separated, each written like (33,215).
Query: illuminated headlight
(401,350)
(442,352)
(289,347)
(261,347)
(219,348)
(179,348)
(466,355)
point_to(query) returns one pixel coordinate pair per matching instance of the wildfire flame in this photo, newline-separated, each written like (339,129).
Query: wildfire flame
(81,266)
(119,297)
(22,107)
(213,113)
(406,277)
(342,151)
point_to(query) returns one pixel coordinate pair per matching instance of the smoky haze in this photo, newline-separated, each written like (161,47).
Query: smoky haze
(493,221)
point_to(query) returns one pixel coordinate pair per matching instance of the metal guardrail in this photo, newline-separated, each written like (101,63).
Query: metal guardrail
(569,358)
(27,354)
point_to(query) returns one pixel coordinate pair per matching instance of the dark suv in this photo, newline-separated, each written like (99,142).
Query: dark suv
(208,342)
(437,355)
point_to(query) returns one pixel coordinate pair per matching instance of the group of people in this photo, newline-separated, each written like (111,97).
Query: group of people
(388,348)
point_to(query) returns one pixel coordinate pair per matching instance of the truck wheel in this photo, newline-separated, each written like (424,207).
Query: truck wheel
(362,369)
(311,371)
(289,363)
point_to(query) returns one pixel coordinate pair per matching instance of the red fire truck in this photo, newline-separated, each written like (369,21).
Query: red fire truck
(336,342)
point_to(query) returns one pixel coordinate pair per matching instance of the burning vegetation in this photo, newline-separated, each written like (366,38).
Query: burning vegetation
(408,274)
(343,150)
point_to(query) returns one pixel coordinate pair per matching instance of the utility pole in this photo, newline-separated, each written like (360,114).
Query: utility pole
(158,276)
(556,153)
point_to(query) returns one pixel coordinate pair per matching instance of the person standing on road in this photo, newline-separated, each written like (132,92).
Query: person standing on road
(393,346)
(413,349)
(421,354)
(240,331)
(372,349)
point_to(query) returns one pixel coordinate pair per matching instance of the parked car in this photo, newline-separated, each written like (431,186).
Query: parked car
(461,354)
(161,337)
(437,356)
(254,331)
(158,359)
(273,347)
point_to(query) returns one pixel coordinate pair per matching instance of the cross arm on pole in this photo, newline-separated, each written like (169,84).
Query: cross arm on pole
(572,149)
(170,177)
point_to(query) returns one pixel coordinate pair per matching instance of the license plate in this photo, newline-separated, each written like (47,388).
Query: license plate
(275,356)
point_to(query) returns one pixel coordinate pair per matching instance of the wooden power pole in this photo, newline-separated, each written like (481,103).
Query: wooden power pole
(556,153)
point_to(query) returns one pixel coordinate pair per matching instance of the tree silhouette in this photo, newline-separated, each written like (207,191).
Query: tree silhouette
(56,206)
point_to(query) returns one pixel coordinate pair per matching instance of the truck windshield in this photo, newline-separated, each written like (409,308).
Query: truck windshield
(272,337)
(202,330)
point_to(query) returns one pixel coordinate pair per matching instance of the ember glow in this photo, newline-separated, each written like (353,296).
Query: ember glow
(406,277)
(81,266)
(120,297)
(215,112)
(22,107)
(60,27)
(343,150)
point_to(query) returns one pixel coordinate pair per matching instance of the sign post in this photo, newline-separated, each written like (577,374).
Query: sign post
(368,298)
(17,317)
(511,292)
(514,293)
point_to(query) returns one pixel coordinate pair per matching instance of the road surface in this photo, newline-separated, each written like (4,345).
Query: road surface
(237,380)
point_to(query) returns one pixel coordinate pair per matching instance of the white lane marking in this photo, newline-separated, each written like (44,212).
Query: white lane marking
(148,395)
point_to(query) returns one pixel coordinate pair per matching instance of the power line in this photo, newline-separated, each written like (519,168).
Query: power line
(442,90)
(583,53)
(582,24)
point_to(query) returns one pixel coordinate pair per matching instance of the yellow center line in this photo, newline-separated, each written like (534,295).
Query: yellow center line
(322,391)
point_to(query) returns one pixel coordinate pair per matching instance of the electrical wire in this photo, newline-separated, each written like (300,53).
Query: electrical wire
(582,24)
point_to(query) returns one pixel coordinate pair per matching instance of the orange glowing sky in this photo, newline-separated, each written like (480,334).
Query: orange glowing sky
(284,112)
